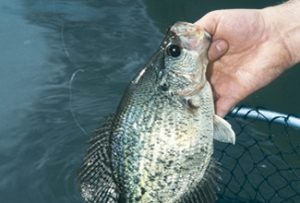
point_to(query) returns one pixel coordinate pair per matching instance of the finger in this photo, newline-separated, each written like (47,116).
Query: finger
(223,106)
(209,22)
(217,49)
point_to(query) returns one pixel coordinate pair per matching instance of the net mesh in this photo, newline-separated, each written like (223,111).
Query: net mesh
(264,164)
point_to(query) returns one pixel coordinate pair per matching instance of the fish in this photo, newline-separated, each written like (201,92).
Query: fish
(158,145)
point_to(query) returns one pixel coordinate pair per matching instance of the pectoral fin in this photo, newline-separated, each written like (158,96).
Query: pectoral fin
(223,131)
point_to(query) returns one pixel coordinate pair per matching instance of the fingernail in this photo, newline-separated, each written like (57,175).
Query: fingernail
(221,46)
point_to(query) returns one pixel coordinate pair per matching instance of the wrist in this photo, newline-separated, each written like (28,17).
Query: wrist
(283,25)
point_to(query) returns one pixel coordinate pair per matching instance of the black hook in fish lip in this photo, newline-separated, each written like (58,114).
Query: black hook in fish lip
(207,35)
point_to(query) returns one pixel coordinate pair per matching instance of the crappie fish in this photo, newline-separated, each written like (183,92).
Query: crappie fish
(158,145)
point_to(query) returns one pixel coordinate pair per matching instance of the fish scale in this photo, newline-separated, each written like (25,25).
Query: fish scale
(158,146)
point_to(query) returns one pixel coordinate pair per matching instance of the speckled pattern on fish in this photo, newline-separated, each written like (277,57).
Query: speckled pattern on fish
(158,145)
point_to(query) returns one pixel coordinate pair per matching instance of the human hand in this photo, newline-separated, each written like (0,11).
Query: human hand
(248,51)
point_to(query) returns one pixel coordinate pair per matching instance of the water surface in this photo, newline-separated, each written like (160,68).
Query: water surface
(45,124)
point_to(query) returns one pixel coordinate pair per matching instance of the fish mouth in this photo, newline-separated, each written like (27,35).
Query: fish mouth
(191,36)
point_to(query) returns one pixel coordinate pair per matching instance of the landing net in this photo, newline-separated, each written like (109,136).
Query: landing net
(264,164)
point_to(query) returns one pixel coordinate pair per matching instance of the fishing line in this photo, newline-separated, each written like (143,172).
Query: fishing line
(67,53)
(71,99)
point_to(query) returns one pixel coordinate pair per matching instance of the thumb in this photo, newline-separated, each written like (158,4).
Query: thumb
(218,47)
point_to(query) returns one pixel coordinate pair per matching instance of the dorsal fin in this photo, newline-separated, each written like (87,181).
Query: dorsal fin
(96,178)
(206,189)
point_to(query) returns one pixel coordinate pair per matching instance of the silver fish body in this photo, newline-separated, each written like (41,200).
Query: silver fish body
(158,146)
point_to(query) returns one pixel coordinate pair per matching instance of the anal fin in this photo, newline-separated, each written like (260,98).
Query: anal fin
(96,178)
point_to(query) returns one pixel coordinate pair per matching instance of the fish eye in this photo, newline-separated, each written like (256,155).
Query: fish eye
(173,50)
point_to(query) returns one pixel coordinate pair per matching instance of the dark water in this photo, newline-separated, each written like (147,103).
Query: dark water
(44,125)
